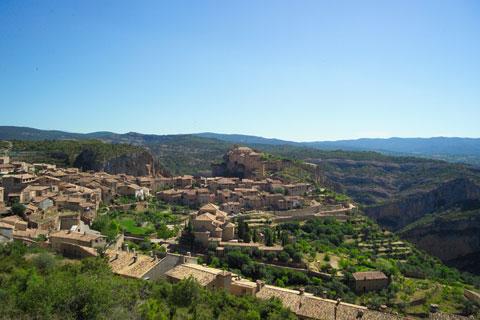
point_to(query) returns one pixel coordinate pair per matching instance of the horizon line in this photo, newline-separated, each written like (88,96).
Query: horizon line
(248,135)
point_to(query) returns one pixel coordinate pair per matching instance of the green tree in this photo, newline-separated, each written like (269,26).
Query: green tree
(18,209)
(255,235)
(269,237)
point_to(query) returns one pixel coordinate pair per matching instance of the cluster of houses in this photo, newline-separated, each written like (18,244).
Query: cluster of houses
(63,202)
(212,226)
(50,195)
(235,194)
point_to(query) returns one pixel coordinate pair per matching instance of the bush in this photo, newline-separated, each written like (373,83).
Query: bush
(271,256)
(283,257)
(44,262)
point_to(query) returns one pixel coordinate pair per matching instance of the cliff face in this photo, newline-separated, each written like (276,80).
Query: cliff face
(453,237)
(399,213)
(139,163)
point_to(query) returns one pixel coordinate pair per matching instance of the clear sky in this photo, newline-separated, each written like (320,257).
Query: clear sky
(298,70)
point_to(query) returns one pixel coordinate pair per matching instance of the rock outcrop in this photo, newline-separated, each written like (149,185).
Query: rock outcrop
(453,237)
(397,214)
(139,163)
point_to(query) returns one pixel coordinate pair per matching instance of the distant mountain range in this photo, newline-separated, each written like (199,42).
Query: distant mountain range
(466,150)
(444,148)
(452,149)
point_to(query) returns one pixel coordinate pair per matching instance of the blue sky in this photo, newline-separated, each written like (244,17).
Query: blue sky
(299,70)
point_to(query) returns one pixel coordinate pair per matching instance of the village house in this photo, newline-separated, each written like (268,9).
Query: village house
(263,185)
(44,167)
(132,264)
(183,181)
(76,244)
(23,167)
(291,202)
(7,168)
(132,190)
(246,191)
(222,183)
(33,191)
(17,229)
(210,224)
(231,207)
(52,182)
(67,220)
(252,202)
(206,277)
(41,220)
(297,189)
(196,197)
(226,195)
(6,232)
(247,183)
(369,281)
(15,183)
(85,208)
(16,222)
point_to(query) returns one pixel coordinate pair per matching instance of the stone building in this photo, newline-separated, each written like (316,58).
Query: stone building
(211,224)
(241,162)
(17,182)
(76,244)
(209,278)
(369,281)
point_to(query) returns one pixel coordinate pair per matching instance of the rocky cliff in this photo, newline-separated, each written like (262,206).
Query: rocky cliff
(138,163)
(88,155)
(454,237)
(396,214)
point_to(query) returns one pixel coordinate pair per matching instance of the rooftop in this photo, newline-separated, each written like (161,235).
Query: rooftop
(125,264)
(204,275)
(369,275)
(309,306)
(81,236)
